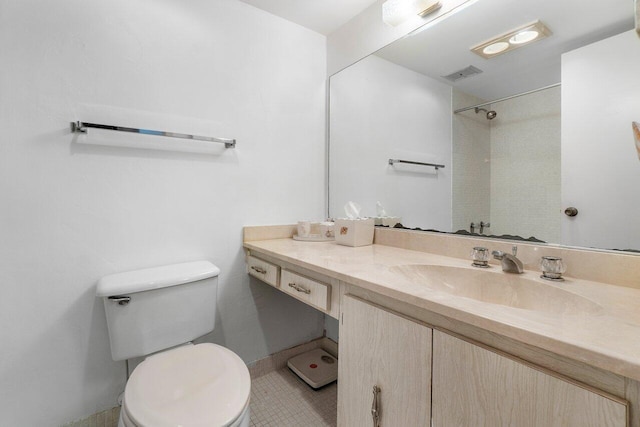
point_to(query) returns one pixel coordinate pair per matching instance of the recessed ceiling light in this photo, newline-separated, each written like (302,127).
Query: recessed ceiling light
(524,37)
(514,39)
(495,48)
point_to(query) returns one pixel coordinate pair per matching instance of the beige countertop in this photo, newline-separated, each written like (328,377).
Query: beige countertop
(592,322)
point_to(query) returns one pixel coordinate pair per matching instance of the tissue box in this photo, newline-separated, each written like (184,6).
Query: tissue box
(354,232)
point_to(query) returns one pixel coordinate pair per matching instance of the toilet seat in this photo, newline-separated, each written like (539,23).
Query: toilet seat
(190,386)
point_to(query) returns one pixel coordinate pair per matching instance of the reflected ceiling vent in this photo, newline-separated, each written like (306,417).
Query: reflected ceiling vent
(463,74)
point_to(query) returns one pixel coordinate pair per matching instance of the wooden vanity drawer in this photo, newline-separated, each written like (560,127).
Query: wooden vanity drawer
(314,293)
(263,270)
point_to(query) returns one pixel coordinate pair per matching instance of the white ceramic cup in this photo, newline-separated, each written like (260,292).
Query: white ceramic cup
(304,228)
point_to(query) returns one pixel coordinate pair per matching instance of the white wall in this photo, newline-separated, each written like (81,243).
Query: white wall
(71,214)
(379,111)
(600,166)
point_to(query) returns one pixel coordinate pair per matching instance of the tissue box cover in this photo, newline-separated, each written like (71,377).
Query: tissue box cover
(354,232)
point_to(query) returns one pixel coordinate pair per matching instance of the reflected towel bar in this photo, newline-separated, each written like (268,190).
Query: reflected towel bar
(392,161)
(81,127)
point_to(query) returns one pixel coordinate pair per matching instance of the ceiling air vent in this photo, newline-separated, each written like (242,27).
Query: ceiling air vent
(463,74)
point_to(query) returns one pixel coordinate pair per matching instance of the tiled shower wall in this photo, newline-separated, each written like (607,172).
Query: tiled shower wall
(507,170)
(471,153)
(525,166)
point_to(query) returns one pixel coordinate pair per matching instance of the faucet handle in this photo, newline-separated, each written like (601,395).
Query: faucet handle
(552,268)
(514,250)
(480,257)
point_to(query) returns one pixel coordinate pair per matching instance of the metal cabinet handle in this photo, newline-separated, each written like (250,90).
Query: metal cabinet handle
(375,411)
(258,269)
(120,299)
(299,288)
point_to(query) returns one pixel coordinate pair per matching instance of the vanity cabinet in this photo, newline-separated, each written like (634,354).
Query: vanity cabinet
(476,386)
(315,290)
(434,365)
(389,352)
(312,292)
(428,377)
(263,270)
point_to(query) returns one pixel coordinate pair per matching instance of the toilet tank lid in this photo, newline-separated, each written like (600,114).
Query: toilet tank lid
(155,278)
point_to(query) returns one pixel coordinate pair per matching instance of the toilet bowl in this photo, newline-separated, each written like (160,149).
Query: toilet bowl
(189,386)
(149,313)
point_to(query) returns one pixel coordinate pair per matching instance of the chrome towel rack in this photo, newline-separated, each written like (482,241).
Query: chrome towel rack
(81,127)
(393,161)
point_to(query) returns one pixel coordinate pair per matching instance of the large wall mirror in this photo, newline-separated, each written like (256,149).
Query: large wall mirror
(527,135)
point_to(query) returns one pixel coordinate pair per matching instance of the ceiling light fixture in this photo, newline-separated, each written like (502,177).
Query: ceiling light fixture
(495,48)
(524,37)
(519,37)
(427,7)
(395,12)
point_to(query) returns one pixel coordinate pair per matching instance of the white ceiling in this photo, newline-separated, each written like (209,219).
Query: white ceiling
(444,48)
(322,16)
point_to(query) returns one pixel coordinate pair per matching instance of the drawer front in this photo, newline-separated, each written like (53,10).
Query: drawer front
(308,290)
(263,270)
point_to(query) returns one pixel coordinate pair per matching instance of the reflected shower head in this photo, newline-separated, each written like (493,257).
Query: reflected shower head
(490,114)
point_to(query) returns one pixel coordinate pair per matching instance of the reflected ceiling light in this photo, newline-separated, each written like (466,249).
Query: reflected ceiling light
(522,36)
(395,12)
(495,48)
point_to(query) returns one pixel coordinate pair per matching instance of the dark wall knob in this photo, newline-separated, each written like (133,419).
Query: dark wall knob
(571,211)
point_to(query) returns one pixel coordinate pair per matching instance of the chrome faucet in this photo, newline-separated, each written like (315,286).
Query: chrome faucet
(510,263)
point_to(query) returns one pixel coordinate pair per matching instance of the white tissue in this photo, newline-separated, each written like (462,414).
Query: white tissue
(352,210)
(383,218)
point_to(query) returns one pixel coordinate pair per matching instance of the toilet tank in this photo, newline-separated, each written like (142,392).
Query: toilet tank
(157,308)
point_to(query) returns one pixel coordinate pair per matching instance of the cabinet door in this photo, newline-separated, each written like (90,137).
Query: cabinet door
(379,348)
(473,386)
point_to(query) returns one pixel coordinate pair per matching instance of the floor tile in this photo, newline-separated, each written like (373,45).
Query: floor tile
(282,399)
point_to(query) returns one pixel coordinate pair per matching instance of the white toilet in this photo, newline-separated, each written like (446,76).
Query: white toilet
(156,313)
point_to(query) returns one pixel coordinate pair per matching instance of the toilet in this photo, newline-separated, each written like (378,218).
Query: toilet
(155,313)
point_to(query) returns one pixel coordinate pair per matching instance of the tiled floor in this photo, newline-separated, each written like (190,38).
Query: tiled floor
(281,399)
(278,399)
(108,418)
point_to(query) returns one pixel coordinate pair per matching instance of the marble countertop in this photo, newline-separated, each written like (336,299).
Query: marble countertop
(596,323)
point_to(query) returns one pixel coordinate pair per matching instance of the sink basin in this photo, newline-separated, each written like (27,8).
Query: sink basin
(497,287)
